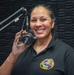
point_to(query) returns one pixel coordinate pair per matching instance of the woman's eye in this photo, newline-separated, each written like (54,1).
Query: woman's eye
(43,19)
(33,20)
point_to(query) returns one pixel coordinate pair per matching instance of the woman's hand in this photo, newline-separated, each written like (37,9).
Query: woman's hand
(17,50)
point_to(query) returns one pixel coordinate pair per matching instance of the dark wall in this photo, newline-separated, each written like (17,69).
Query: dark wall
(64,13)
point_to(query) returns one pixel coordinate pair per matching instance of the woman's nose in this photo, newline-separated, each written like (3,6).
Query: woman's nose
(38,23)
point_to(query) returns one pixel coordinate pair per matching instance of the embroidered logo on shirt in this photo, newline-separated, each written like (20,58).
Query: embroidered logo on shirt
(47,64)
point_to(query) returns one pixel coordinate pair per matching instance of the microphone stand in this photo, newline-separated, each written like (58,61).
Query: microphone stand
(21,11)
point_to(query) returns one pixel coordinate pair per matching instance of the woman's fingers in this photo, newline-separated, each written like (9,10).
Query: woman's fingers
(20,34)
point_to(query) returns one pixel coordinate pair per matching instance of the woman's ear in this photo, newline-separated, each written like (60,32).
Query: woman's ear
(52,23)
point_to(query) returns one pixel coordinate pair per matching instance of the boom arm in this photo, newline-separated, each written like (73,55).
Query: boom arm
(14,18)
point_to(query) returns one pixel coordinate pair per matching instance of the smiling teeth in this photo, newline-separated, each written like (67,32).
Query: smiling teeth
(39,31)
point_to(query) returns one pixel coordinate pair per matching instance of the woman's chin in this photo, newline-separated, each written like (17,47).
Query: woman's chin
(40,37)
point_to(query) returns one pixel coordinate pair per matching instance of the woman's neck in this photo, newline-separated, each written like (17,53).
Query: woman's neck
(42,43)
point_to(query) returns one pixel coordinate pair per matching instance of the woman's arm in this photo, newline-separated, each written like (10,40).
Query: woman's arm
(7,66)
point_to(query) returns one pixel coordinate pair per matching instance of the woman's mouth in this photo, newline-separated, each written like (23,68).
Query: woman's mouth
(39,31)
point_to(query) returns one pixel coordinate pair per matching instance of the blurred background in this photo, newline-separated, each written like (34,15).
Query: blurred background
(64,14)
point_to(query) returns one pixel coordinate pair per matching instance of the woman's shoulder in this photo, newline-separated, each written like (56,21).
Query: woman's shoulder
(63,45)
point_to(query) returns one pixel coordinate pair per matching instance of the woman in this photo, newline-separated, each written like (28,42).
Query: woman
(46,56)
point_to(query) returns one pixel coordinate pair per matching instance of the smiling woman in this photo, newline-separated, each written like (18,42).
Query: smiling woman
(47,55)
(41,22)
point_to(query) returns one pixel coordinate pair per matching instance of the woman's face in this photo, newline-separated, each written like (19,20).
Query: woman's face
(41,22)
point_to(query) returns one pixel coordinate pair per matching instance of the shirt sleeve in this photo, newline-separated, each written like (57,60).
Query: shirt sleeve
(69,61)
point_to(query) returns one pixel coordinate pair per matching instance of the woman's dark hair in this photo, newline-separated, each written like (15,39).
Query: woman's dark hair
(50,11)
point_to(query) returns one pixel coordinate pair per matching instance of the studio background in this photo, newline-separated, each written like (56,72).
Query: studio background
(64,14)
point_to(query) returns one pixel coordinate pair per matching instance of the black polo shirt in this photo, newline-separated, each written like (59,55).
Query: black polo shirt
(56,59)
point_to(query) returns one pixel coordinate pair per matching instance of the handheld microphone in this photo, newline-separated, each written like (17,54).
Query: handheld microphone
(28,38)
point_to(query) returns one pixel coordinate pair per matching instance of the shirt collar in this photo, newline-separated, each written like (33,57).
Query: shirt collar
(52,42)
